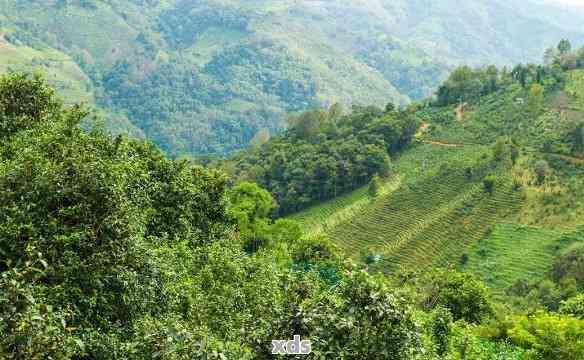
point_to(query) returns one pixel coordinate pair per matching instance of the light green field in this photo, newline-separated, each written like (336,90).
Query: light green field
(513,252)
(329,214)
(415,162)
(59,69)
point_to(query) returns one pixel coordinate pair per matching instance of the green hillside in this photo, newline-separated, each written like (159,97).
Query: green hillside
(526,141)
(201,77)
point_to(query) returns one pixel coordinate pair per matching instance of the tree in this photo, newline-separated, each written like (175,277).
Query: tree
(489,183)
(462,294)
(374,186)
(541,171)
(500,150)
(441,329)
(25,102)
(363,319)
(549,336)
(550,56)
(308,124)
(521,74)
(574,306)
(251,206)
(564,47)
(260,138)
(535,100)
(570,265)
(575,133)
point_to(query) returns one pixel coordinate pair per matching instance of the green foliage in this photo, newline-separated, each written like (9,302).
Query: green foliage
(31,328)
(363,318)
(489,183)
(25,102)
(441,329)
(549,336)
(570,265)
(574,306)
(564,47)
(542,170)
(466,84)
(535,100)
(576,135)
(462,294)
(200,77)
(109,248)
(374,185)
(323,155)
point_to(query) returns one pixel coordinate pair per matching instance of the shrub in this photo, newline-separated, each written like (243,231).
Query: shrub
(570,265)
(541,171)
(489,183)
(574,306)
(549,336)
(374,186)
(463,295)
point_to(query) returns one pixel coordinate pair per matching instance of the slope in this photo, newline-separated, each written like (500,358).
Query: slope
(493,192)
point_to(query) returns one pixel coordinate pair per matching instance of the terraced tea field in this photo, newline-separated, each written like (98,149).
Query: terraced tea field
(420,161)
(433,215)
(452,228)
(513,252)
(331,213)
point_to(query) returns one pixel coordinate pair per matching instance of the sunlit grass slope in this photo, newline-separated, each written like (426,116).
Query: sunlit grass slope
(513,252)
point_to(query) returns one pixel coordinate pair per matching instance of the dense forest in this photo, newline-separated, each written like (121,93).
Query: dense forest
(206,77)
(326,153)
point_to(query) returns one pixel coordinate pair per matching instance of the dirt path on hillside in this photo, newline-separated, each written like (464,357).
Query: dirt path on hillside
(572,159)
(441,143)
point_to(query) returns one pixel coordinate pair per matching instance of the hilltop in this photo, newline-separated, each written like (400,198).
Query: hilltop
(202,77)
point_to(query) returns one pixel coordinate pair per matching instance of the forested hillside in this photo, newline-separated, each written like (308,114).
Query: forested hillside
(202,77)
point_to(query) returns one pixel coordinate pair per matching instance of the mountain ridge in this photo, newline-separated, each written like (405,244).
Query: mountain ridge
(239,68)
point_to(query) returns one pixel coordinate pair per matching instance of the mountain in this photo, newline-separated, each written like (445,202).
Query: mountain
(206,76)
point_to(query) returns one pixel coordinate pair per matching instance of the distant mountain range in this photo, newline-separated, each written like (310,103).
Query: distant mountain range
(205,76)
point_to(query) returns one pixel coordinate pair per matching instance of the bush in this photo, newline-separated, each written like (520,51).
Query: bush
(364,319)
(541,171)
(489,183)
(570,265)
(464,296)
(574,306)
(549,336)
(25,102)
(374,186)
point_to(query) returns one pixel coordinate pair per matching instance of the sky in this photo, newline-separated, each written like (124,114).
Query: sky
(579,3)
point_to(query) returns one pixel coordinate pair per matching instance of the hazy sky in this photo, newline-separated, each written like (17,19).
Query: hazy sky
(568,2)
